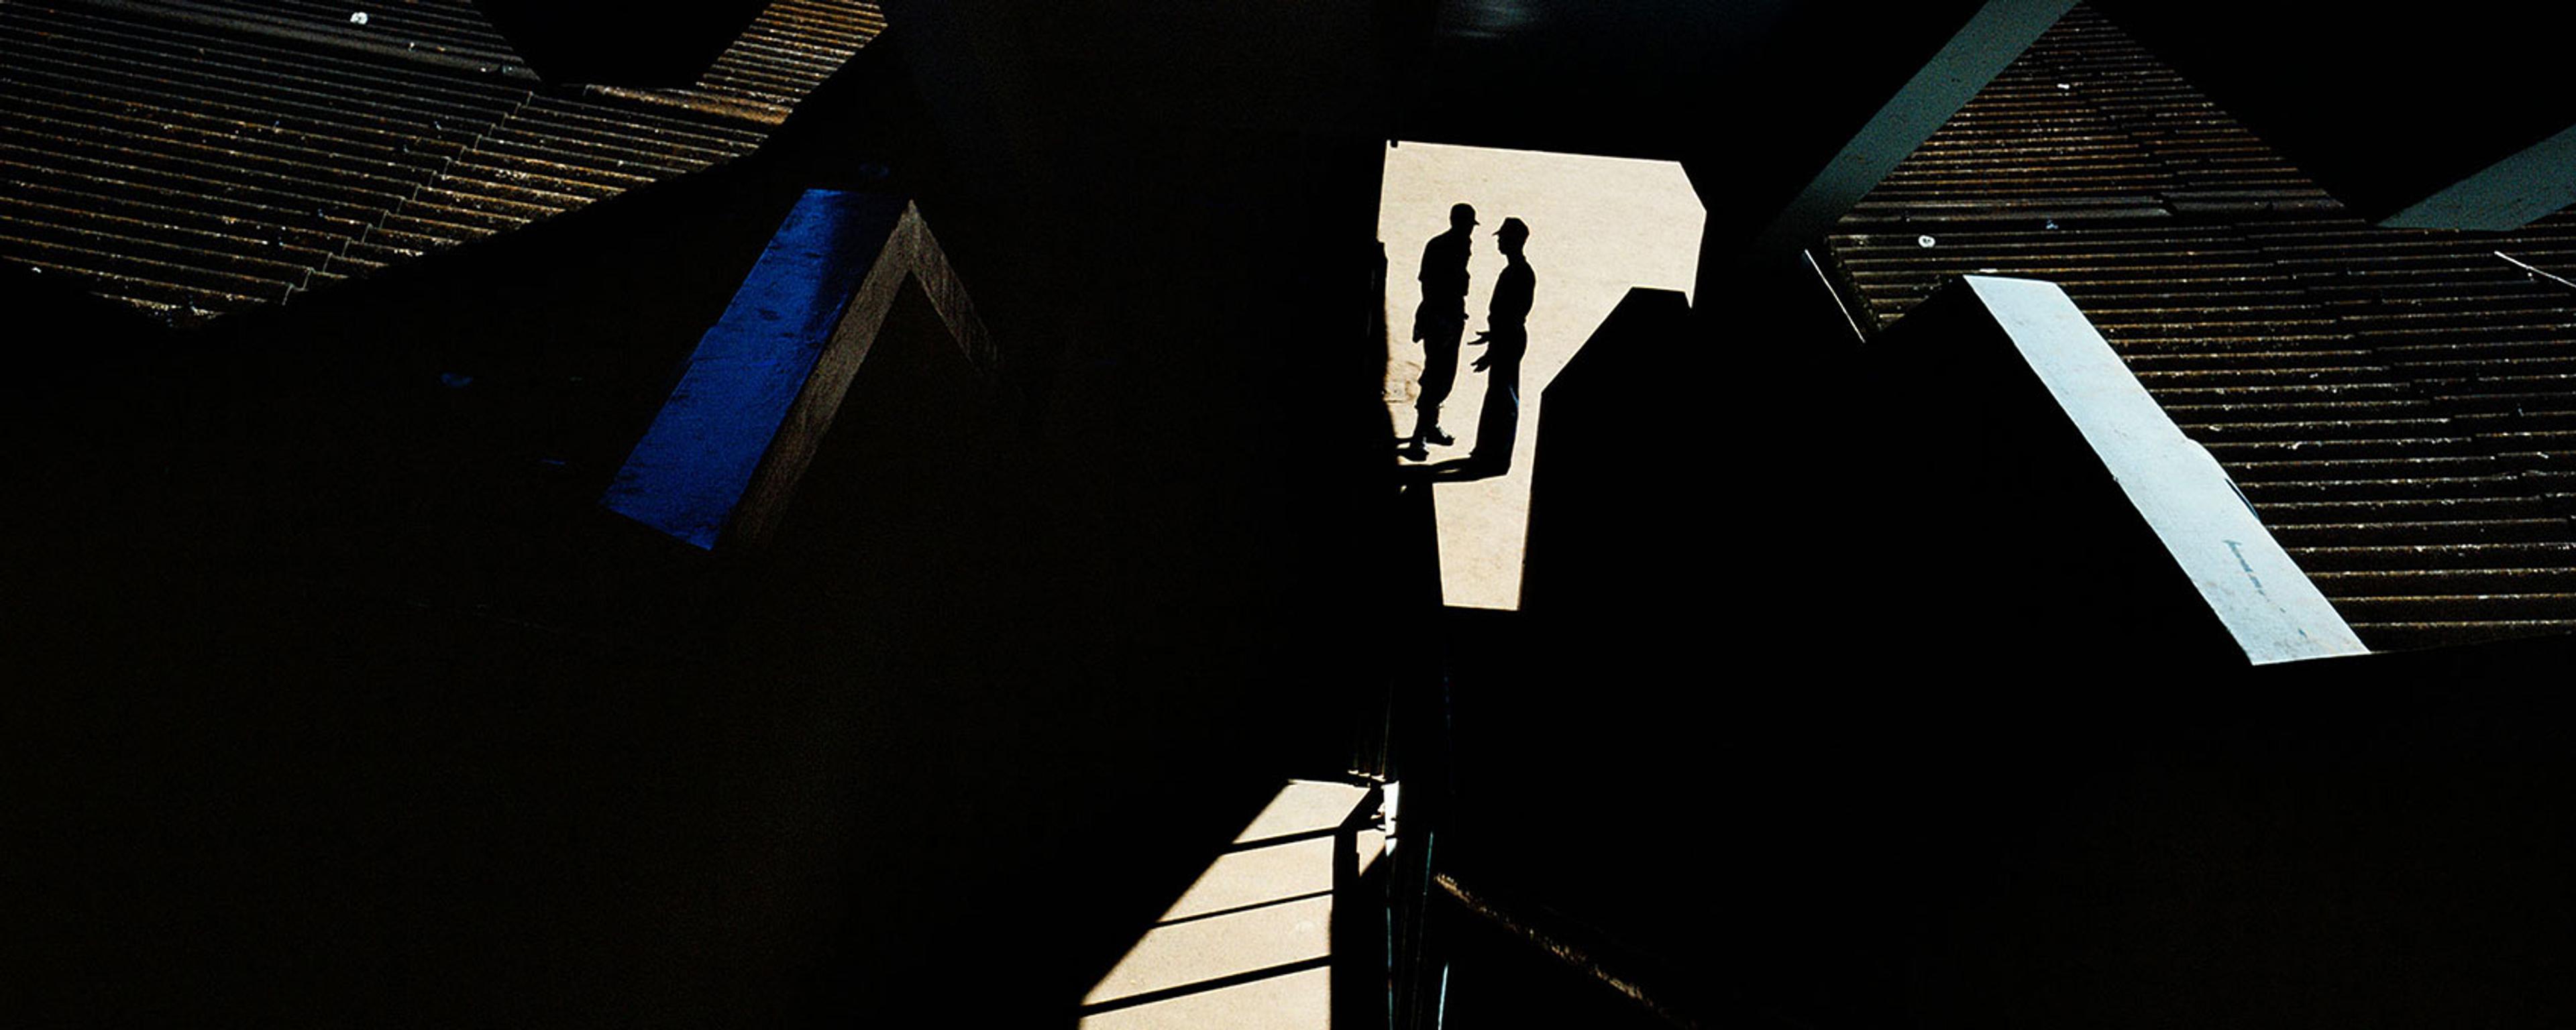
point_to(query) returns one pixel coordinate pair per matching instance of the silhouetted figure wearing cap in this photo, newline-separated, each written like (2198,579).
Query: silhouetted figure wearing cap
(1438,323)
(1506,339)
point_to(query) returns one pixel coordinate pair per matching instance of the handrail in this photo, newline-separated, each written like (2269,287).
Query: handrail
(1418,764)
(1553,938)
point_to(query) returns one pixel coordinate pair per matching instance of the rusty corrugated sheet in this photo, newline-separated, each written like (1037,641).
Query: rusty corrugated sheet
(2400,405)
(199,158)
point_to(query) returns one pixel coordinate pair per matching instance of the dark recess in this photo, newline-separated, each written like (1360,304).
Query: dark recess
(598,41)
(2384,106)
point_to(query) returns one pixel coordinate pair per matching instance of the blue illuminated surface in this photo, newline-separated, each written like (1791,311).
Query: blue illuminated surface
(690,470)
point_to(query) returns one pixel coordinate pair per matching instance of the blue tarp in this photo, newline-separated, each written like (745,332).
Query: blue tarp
(689,472)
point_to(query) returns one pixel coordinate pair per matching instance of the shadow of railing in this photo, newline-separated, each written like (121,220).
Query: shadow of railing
(1267,932)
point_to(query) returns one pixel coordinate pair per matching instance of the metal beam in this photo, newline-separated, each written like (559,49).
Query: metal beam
(2508,194)
(1983,46)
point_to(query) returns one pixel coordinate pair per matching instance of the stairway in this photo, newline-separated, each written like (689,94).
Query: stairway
(2397,404)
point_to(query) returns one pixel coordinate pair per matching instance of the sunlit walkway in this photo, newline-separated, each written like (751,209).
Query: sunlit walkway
(1249,945)
(1598,226)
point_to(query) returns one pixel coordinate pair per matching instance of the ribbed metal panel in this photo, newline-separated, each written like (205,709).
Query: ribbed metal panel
(2399,405)
(193,159)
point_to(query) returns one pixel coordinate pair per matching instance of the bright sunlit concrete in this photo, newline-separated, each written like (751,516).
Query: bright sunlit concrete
(1598,226)
(1246,945)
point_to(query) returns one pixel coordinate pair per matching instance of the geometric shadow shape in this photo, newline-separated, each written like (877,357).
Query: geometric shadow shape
(724,455)
(2034,351)
(1586,535)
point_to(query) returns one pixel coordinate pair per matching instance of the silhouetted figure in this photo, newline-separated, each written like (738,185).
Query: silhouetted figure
(1506,339)
(1438,323)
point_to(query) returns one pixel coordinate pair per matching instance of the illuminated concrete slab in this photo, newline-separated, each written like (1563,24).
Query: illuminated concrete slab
(2257,591)
(723,457)
(1598,227)
(1249,943)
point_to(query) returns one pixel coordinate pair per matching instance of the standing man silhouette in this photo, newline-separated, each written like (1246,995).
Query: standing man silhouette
(1507,338)
(1438,323)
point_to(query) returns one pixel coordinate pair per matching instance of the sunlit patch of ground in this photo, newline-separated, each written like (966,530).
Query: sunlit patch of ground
(1598,226)
(1249,944)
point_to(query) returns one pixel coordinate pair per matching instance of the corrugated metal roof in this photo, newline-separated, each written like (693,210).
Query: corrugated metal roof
(195,159)
(2399,405)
